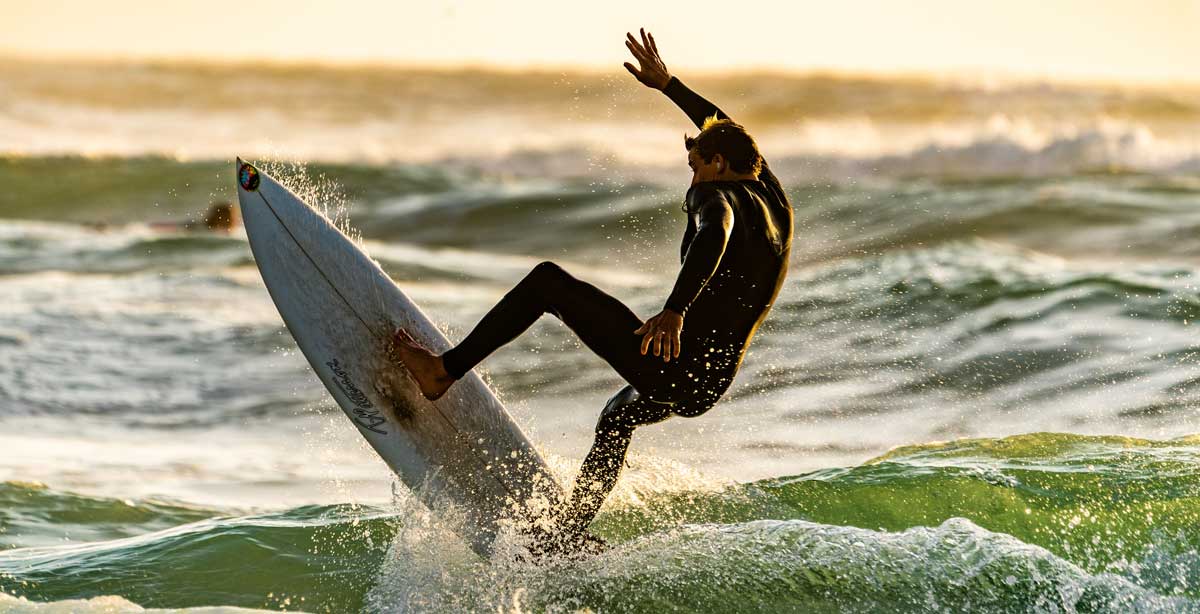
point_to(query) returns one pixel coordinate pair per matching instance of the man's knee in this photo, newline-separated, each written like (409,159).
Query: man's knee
(542,284)
(547,271)
(628,410)
(614,426)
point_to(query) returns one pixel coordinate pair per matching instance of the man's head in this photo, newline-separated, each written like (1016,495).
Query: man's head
(723,150)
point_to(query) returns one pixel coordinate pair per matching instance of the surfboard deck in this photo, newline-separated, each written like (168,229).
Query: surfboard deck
(463,455)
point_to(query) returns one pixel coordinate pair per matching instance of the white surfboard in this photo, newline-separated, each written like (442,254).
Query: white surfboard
(462,451)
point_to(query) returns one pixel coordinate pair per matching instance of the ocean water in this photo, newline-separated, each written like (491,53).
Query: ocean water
(978,390)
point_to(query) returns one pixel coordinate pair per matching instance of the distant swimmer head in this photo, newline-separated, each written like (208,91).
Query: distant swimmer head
(248,177)
(224,216)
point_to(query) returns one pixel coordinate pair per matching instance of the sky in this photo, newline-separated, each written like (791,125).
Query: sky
(1143,40)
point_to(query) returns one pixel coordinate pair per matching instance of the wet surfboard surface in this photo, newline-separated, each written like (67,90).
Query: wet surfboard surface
(463,454)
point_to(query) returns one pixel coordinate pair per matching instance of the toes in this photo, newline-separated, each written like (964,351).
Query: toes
(401,336)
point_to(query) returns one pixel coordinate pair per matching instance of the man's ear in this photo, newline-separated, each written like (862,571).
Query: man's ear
(719,160)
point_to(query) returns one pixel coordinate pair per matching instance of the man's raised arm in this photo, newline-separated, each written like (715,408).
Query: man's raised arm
(653,73)
(697,107)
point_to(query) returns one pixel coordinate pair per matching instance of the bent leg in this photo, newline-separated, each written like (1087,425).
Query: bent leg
(603,323)
(624,412)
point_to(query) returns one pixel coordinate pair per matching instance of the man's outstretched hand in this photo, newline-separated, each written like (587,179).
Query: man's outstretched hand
(653,73)
(662,331)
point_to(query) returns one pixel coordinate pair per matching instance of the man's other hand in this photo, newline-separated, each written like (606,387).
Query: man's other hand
(653,73)
(662,331)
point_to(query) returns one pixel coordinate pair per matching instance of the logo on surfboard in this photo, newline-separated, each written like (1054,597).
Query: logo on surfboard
(248,177)
(365,413)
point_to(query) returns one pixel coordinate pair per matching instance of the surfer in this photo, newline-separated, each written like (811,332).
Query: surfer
(679,362)
(221,217)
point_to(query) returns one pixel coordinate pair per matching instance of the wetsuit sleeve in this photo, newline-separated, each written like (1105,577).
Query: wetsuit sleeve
(694,105)
(699,109)
(706,248)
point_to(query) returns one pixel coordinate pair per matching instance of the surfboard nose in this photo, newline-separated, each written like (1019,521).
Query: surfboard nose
(247,176)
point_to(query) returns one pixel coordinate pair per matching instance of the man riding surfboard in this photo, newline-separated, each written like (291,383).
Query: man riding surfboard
(680,361)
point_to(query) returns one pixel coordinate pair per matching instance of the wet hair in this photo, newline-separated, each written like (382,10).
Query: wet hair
(221,216)
(723,136)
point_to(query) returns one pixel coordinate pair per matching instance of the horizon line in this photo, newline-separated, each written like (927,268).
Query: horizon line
(959,74)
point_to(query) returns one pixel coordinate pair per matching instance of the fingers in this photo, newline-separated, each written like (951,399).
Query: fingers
(665,340)
(648,44)
(633,71)
(634,46)
(645,49)
(636,55)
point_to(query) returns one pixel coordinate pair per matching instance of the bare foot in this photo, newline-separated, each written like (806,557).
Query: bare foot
(426,368)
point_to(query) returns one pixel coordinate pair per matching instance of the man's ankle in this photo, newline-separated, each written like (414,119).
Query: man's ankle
(445,372)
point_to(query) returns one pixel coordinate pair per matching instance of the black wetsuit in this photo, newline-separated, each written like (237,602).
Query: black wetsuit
(735,255)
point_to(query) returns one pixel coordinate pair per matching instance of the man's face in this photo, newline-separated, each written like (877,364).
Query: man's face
(701,170)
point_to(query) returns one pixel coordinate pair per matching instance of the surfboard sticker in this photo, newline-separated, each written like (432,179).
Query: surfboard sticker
(248,177)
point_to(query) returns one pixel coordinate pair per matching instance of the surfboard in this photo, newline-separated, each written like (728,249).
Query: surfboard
(462,455)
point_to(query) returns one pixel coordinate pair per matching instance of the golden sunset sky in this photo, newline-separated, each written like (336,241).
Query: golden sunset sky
(1140,40)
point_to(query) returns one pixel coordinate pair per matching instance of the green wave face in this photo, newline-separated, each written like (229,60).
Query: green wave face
(319,557)
(1039,522)
(1035,523)
(33,515)
(1105,504)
